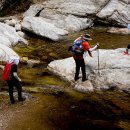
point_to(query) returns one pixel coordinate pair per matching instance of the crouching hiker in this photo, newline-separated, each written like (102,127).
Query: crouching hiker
(127,50)
(80,45)
(11,77)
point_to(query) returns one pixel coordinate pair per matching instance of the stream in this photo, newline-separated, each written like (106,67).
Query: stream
(55,105)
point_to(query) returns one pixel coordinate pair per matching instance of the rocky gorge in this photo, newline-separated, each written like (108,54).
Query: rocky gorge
(40,36)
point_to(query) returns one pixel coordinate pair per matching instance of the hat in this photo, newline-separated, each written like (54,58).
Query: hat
(87,37)
(14,59)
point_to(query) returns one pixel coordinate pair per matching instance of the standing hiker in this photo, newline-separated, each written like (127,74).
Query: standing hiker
(80,45)
(10,75)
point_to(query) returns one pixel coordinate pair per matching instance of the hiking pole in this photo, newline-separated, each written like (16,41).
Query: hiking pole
(98,61)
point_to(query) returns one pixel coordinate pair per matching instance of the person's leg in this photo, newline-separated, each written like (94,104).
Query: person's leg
(128,47)
(10,86)
(77,69)
(83,70)
(19,89)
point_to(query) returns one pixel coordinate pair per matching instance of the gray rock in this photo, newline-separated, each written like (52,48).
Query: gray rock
(124,31)
(114,70)
(75,15)
(9,35)
(116,12)
(40,27)
(33,10)
(6,52)
(70,15)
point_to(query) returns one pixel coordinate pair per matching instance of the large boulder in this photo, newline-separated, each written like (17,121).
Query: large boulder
(76,15)
(116,12)
(9,36)
(69,15)
(78,8)
(66,22)
(6,52)
(75,7)
(38,26)
(33,10)
(114,70)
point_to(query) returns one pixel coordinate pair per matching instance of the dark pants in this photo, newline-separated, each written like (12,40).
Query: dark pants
(18,86)
(80,64)
(128,47)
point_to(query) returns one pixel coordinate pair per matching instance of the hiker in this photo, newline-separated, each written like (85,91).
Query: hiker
(128,26)
(78,54)
(14,80)
(127,50)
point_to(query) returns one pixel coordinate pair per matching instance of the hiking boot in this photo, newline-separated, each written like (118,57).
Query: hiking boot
(76,78)
(85,79)
(22,99)
(11,102)
(126,52)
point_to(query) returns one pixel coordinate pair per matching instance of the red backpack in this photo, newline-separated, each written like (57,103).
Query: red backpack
(6,72)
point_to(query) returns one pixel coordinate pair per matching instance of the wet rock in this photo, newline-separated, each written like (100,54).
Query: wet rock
(45,73)
(84,86)
(32,62)
(53,90)
(124,31)
(53,55)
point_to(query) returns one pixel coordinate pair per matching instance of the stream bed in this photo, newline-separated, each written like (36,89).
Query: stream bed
(58,106)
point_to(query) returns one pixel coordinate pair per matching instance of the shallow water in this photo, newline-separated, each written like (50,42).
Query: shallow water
(108,40)
(46,50)
(70,110)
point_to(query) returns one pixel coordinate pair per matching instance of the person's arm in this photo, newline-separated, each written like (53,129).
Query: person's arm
(94,48)
(86,47)
(14,70)
(90,54)
(16,76)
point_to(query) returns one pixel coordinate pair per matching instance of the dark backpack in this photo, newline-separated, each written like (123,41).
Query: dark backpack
(77,47)
(6,72)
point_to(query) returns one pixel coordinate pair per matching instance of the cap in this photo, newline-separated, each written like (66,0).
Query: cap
(87,37)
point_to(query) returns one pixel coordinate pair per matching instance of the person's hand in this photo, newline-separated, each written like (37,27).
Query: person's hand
(97,44)
(19,80)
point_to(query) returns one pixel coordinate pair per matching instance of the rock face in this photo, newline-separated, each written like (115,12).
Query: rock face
(42,28)
(74,15)
(9,36)
(114,70)
(116,12)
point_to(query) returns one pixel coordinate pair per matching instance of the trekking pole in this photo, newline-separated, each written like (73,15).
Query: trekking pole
(98,61)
